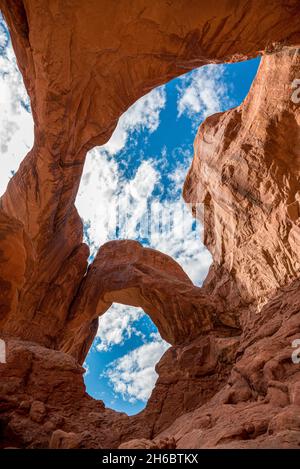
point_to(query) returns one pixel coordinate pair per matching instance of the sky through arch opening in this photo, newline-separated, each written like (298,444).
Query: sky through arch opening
(144,163)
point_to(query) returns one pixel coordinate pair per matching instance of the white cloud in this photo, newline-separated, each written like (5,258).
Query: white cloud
(97,193)
(133,375)
(142,185)
(106,200)
(144,114)
(203,92)
(137,194)
(102,187)
(3,36)
(87,369)
(16,123)
(117,325)
(184,242)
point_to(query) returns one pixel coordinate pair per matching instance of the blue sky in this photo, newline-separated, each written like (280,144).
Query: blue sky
(143,164)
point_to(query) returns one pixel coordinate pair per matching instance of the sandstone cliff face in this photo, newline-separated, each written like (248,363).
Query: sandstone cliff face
(229,379)
(80,77)
(246,173)
(259,405)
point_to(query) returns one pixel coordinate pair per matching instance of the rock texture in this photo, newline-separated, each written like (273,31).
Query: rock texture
(246,172)
(228,380)
(125,272)
(81,76)
(259,405)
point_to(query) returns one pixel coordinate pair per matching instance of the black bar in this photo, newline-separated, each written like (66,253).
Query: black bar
(147,458)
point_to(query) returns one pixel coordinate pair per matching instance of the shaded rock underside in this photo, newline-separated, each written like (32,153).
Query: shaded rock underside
(228,380)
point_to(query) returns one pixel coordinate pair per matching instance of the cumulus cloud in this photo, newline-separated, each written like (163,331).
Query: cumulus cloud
(4,38)
(16,124)
(137,194)
(114,207)
(203,92)
(184,242)
(103,189)
(99,188)
(142,115)
(117,325)
(110,204)
(133,375)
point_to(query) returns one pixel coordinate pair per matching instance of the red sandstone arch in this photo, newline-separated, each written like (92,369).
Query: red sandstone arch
(251,387)
(125,272)
(83,64)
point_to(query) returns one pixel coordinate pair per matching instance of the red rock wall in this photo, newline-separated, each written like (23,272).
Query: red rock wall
(229,379)
(246,172)
(80,77)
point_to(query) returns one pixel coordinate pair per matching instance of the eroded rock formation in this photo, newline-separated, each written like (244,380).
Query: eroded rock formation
(125,272)
(246,173)
(228,380)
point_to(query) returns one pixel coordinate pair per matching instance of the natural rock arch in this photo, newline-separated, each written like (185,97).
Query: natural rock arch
(214,391)
(125,272)
(80,79)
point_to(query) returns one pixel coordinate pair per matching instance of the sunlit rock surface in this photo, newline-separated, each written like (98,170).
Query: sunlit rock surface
(246,172)
(228,380)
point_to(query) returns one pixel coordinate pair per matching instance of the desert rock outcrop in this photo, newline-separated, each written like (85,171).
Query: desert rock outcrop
(246,173)
(125,272)
(228,380)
